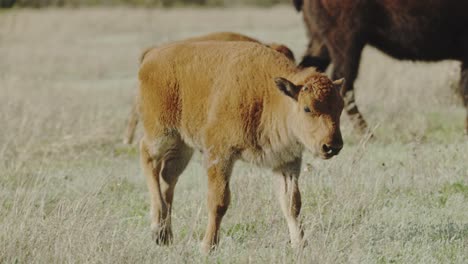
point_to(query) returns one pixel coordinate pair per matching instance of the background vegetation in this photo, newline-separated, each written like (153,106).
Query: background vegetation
(70,192)
(155,3)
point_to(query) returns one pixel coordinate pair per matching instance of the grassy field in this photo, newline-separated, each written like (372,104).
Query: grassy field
(70,192)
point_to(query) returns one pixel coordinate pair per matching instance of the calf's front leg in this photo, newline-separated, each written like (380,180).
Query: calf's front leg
(289,196)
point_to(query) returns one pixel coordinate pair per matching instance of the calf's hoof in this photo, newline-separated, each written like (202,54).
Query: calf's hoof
(299,244)
(206,248)
(161,235)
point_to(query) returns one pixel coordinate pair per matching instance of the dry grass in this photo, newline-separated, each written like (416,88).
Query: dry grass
(69,192)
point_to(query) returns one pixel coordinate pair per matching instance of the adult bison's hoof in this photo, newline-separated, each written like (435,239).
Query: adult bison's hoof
(162,236)
(369,136)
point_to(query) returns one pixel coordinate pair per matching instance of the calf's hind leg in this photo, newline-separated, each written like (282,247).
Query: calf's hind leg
(219,170)
(173,164)
(162,168)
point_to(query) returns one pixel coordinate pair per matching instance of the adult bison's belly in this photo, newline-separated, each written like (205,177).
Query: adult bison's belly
(417,46)
(418,38)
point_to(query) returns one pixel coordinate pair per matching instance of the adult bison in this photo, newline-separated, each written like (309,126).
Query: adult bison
(7,3)
(232,101)
(404,29)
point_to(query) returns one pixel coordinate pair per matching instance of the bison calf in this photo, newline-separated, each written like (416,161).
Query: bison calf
(232,101)
(218,36)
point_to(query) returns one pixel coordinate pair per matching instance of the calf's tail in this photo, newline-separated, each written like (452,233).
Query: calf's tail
(134,113)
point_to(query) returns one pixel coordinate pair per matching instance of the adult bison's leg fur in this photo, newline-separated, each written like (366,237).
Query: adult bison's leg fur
(289,197)
(219,170)
(352,110)
(316,55)
(346,65)
(464,91)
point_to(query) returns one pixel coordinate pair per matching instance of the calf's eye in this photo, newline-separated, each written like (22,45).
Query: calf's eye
(307,109)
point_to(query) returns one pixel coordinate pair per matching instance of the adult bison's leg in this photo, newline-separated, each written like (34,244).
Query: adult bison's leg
(316,55)
(346,61)
(219,168)
(173,163)
(289,196)
(464,90)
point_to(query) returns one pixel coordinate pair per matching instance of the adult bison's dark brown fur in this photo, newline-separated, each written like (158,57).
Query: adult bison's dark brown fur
(404,29)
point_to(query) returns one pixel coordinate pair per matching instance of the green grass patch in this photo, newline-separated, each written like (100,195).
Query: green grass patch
(452,189)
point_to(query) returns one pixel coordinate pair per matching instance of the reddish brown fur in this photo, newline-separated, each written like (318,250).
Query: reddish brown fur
(218,36)
(232,101)
(413,29)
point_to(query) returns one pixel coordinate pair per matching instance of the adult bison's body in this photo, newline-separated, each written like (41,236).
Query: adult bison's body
(404,29)
(232,101)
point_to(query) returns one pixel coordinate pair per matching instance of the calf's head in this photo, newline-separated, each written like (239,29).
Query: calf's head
(316,113)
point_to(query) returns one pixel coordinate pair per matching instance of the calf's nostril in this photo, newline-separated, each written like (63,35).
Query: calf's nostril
(331,150)
(327,149)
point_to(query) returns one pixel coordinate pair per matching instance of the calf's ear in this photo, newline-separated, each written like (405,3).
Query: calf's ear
(340,85)
(287,87)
